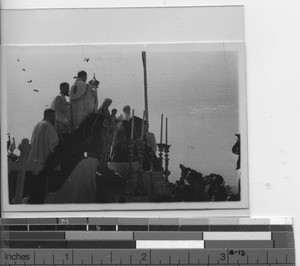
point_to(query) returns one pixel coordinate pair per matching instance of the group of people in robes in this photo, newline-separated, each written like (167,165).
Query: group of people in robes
(63,117)
(76,138)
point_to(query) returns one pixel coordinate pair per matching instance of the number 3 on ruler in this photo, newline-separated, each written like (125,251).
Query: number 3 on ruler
(222,256)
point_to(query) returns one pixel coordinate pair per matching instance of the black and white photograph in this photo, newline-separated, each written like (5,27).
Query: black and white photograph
(148,122)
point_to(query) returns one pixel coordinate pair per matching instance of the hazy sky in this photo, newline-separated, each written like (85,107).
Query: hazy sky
(195,86)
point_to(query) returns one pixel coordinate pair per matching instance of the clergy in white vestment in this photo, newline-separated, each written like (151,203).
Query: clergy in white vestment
(62,111)
(44,138)
(83,100)
(126,113)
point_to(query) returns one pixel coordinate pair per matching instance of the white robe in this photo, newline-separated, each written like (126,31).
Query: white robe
(43,141)
(62,109)
(62,114)
(83,102)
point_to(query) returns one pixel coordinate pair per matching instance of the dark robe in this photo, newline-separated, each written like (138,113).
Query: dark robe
(87,140)
(122,142)
(236,149)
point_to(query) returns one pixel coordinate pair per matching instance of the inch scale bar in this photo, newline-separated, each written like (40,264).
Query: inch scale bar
(147,257)
(143,241)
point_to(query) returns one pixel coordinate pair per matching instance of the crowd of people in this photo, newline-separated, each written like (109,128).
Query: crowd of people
(74,121)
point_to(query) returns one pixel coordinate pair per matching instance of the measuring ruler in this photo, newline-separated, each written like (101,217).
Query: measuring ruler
(143,241)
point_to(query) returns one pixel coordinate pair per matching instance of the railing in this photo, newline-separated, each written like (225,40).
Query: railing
(21,166)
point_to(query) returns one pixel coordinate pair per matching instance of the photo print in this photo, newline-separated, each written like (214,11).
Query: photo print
(126,124)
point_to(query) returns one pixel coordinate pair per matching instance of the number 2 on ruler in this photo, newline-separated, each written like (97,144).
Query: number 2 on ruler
(144,256)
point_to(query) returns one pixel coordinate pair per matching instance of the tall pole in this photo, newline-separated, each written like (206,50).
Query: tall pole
(145,85)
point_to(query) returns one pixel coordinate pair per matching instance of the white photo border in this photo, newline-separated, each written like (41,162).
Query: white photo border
(242,204)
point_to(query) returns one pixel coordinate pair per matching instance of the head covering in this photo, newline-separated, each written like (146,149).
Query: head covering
(105,102)
(48,111)
(126,109)
(81,74)
(104,108)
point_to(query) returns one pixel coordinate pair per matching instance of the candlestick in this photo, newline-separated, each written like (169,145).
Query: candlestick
(161,127)
(166,172)
(160,156)
(132,124)
(166,131)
